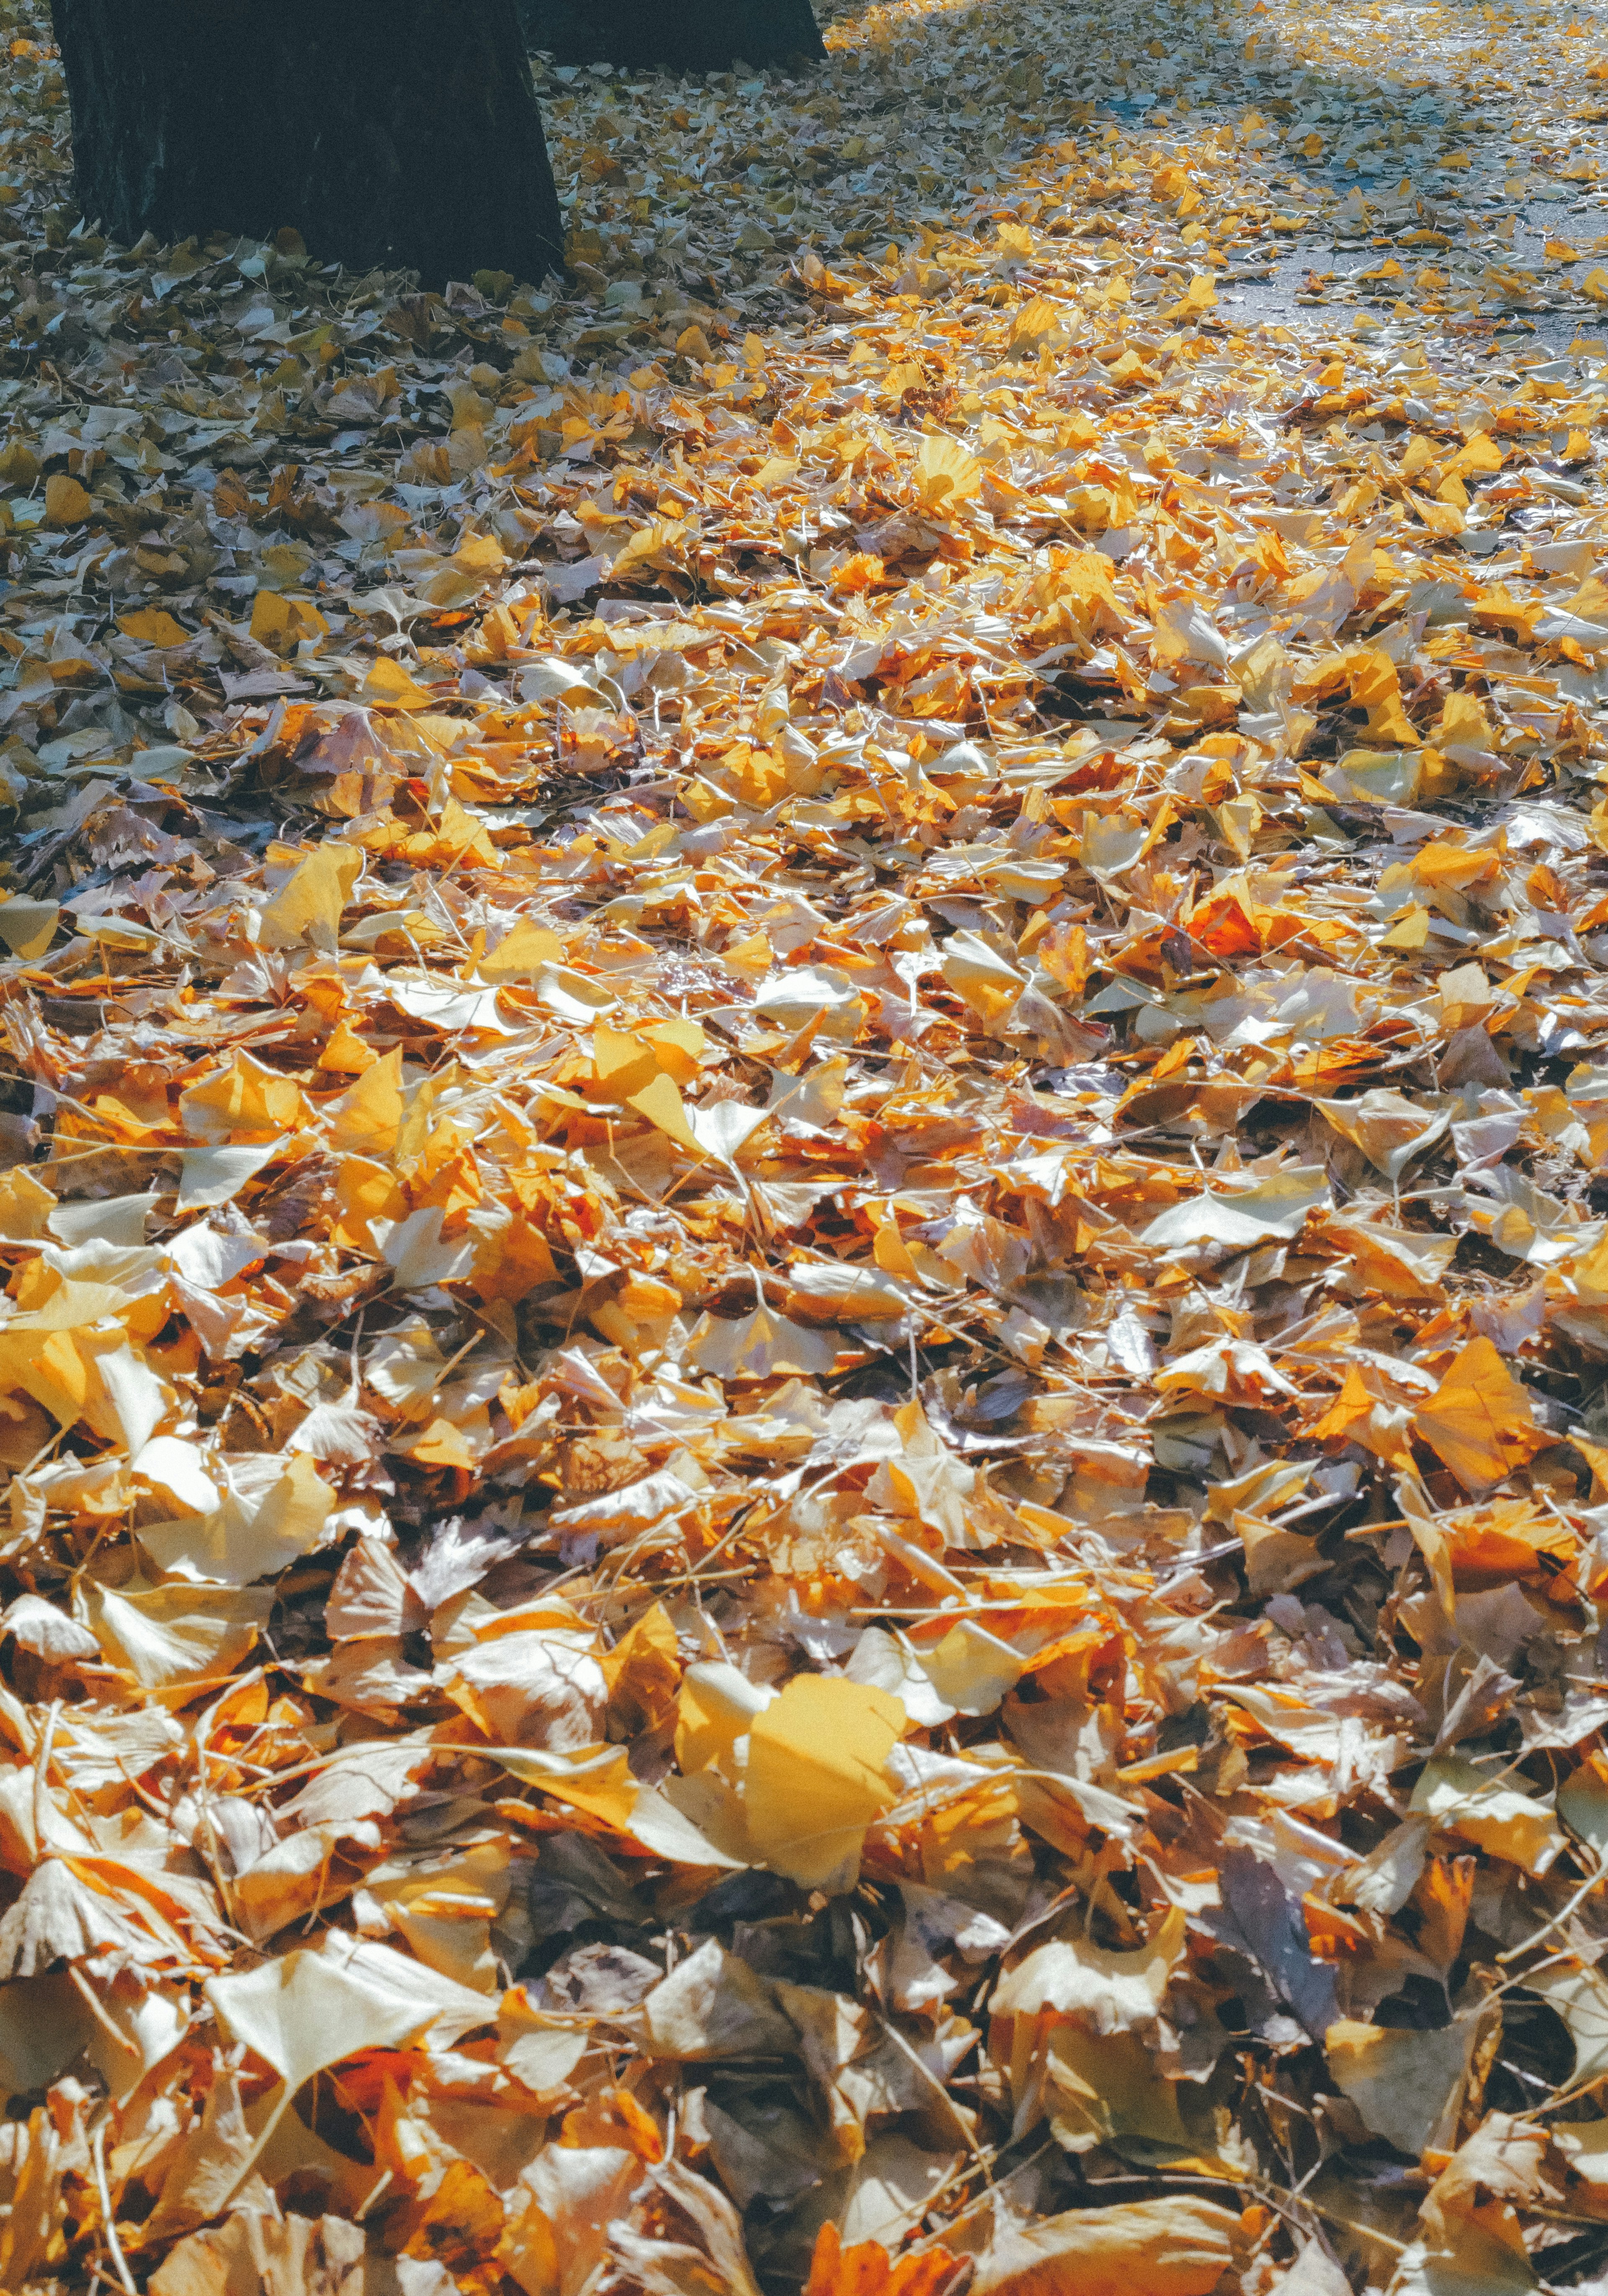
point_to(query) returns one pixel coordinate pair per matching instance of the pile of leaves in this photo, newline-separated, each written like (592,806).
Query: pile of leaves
(805,1154)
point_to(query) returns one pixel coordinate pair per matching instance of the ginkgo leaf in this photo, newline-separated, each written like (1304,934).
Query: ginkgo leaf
(308,2009)
(979,975)
(309,906)
(1579,1994)
(210,1176)
(366,1120)
(175,1465)
(711,2007)
(1277,1207)
(113,1219)
(28,927)
(389,685)
(945,474)
(1173,2247)
(41,1627)
(661,1101)
(1582,1804)
(1389,1129)
(58,1916)
(1408,2087)
(521,954)
(1498,1816)
(1480,1419)
(415,1253)
(135,1394)
(25,1205)
(1110,1992)
(758,1346)
(66,501)
(1107,2089)
(816,1779)
(151,626)
(166,1636)
(244,1101)
(258,1525)
(598,1782)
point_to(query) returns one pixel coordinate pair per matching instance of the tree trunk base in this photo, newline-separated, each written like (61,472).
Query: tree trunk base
(697,36)
(393,134)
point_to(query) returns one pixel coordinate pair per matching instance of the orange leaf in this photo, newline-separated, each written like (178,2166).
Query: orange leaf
(867,2269)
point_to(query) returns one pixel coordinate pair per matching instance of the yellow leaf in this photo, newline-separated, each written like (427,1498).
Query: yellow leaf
(945,474)
(1462,721)
(367,1119)
(677,1046)
(1410,931)
(1376,688)
(47,1365)
(657,543)
(442,1445)
(1110,1992)
(1033,325)
(642,1671)
(1441,518)
(622,1063)
(758,1346)
(480,553)
(66,502)
(282,622)
(28,927)
(1590,601)
(168,1636)
(1175,2247)
(243,1102)
(366,1191)
(309,907)
(388,682)
(522,953)
(150,626)
(815,1778)
(1493,1815)
(1482,454)
(1386,1126)
(245,1539)
(716,1706)
(346,1053)
(662,1104)
(305,2010)
(981,977)
(1479,1420)
(25,1206)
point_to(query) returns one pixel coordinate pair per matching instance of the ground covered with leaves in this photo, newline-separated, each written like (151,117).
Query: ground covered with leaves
(802,1368)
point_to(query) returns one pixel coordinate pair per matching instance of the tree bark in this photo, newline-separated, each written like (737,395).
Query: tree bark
(389,133)
(692,35)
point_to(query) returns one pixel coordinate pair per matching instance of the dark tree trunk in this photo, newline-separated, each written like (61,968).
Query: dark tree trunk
(690,35)
(395,132)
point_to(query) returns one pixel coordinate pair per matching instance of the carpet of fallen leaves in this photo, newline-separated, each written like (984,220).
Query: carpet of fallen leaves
(802,1366)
